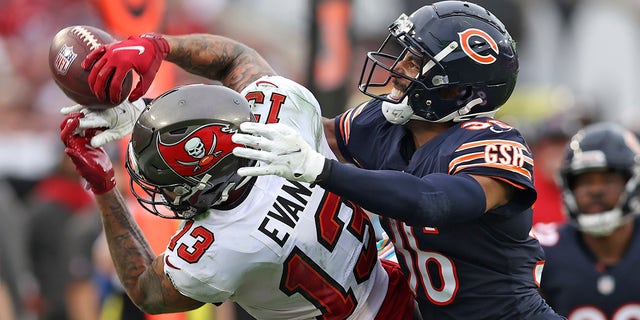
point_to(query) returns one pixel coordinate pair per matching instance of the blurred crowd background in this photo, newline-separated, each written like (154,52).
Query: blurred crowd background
(577,65)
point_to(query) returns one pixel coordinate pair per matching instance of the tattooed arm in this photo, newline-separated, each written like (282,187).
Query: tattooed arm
(217,58)
(140,271)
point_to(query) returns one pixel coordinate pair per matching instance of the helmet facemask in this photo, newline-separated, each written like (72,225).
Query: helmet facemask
(153,196)
(184,200)
(381,68)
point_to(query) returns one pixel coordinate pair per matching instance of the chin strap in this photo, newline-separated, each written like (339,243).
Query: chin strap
(225,194)
(201,185)
(401,113)
(463,114)
(244,181)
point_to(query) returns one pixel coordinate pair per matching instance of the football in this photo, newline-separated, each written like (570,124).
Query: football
(68,48)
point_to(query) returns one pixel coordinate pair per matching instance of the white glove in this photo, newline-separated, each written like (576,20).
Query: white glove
(117,122)
(283,150)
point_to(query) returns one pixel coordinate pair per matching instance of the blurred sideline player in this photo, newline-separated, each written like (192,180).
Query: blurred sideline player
(592,261)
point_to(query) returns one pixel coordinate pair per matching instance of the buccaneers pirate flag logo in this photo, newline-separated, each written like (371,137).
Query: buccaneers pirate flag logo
(199,151)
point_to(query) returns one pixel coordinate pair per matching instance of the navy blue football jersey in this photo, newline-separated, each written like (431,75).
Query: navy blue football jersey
(487,268)
(576,286)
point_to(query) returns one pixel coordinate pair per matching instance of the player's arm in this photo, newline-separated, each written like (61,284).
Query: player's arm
(211,56)
(140,271)
(497,193)
(330,133)
(215,57)
(435,199)
(218,58)
(338,129)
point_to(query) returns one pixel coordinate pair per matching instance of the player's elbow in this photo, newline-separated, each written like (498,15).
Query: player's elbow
(152,306)
(150,309)
(445,200)
(157,303)
(145,302)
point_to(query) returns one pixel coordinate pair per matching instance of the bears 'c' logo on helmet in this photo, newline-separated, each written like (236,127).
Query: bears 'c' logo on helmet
(199,151)
(465,42)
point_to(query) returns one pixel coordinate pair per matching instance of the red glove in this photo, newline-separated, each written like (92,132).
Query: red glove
(110,64)
(93,164)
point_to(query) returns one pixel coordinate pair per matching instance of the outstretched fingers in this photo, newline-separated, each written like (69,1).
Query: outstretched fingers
(92,120)
(272,131)
(71,109)
(260,171)
(256,142)
(253,154)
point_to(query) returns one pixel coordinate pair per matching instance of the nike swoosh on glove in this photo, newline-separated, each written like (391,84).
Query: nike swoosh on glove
(109,65)
(93,164)
(281,149)
(115,123)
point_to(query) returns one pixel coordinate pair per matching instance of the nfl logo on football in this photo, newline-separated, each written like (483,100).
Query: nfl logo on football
(64,59)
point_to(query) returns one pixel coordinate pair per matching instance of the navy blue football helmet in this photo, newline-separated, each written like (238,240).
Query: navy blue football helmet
(468,60)
(597,147)
(180,153)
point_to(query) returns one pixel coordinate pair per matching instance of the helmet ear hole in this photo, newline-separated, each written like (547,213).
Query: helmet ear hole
(467,92)
(454,92)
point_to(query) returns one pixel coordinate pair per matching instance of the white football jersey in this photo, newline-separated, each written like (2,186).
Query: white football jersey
(288,250)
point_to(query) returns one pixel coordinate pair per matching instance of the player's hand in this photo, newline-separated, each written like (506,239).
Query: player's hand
(109,64)
(115,123)
(284,151)
(93,164)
